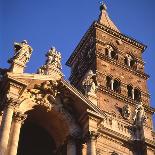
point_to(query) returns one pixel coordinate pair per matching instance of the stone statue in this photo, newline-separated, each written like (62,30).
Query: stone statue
(22,53)
(126,111)
(54,58)
(140,116)
(139,119)
(89,83)
(53,62)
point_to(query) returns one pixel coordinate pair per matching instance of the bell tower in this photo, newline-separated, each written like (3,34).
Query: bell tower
(113,62)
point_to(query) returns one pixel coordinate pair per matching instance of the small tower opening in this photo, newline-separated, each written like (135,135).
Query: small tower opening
(108,82)
(117,86)
(130,61)
(110,52)
(137,95)
(114,55)
(130,91)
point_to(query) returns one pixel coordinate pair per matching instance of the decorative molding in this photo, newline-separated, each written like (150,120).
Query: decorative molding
(120,36)
(19,117)
(44,94)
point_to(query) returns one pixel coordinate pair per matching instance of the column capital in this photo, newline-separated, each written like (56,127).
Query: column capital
(11,102)
(73,138)
(19,117)
(92,135)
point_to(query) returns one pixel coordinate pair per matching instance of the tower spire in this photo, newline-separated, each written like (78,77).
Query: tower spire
(104,18)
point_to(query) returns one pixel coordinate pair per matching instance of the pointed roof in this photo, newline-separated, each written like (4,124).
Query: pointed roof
(104,18)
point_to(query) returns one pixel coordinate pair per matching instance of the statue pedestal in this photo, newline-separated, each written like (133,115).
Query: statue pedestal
(17,67)
(92,97)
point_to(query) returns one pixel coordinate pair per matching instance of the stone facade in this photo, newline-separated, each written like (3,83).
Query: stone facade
(104,110)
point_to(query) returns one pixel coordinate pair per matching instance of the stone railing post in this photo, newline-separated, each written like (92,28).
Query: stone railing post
(91,138)
(6,126)
(18,120)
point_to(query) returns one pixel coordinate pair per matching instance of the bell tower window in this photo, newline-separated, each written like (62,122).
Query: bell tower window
(130,61)
(108,82)
(111,53)
(130,91)
(116,86)
(137,95)
(113,84)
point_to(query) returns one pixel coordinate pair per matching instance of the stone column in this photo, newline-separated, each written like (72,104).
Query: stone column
(133,95)
(109,54)
(18,119)
(6,126)
(71,145)
(112,84)
(128,61)
(91,142)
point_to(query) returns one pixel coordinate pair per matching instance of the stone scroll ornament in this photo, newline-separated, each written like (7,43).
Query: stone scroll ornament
(44,94)
(22,53)
(89,83)
(53,62)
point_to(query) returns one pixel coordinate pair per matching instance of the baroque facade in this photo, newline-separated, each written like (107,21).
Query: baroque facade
(103,110)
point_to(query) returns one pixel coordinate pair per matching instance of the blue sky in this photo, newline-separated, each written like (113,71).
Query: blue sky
(47,23)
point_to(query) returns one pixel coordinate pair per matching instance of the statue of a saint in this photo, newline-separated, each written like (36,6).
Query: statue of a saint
(53,62)
(89,83)
(140,116)
(22,53)
(54,58)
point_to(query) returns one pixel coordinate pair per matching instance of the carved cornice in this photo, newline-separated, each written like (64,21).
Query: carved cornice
(121,36)
(150,142)
(116,63)
(110,138)
(114,134)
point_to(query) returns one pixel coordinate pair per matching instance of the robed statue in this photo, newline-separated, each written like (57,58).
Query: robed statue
(22,53)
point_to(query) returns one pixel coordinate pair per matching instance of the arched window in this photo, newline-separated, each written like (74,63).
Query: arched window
(111,52)
(130,91)
(137,95)
(130,61)
(117,86)
(108,82)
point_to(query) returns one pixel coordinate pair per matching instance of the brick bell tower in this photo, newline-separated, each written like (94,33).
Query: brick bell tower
(114,62)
